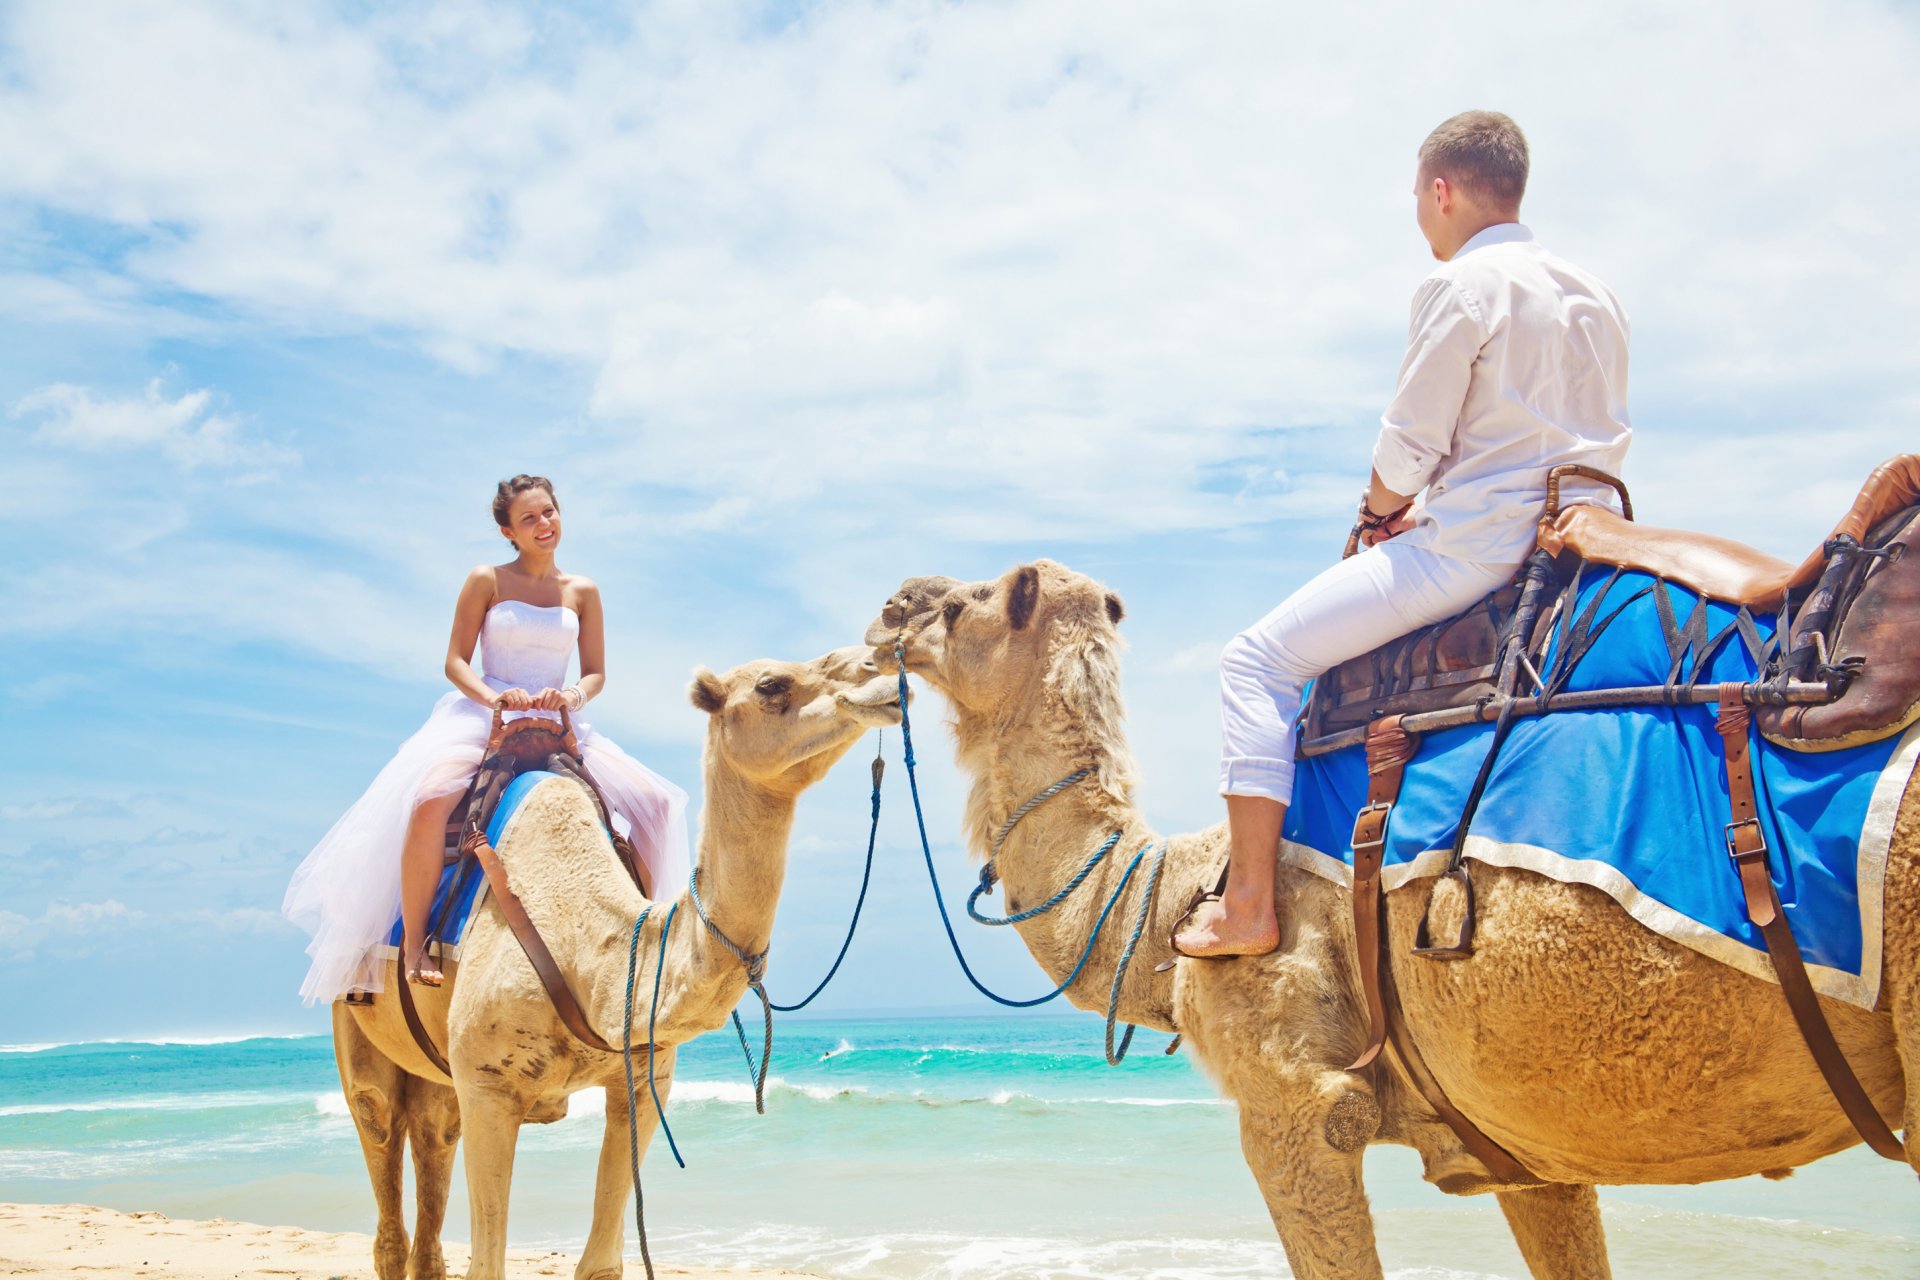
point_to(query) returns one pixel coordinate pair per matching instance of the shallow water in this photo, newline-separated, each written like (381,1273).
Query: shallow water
(954,1148)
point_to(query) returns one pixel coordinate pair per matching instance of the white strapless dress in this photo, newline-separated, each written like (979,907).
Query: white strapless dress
(346,893)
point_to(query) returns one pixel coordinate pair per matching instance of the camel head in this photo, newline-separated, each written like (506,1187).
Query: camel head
(996,645)
(1031,662)
(782,725)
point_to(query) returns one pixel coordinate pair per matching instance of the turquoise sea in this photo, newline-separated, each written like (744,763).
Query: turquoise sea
(940,1147)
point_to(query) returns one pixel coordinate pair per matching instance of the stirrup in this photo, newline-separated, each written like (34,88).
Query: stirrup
(1462,947)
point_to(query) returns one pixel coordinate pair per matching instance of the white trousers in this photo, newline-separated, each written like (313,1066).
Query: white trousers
(1353,608)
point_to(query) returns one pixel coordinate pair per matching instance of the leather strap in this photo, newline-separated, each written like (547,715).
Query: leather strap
(534,945)
(1747,846)
(1389,747)
(418,1028)
(1500,1162)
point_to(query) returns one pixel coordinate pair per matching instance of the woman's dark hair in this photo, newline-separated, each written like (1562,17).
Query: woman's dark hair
(510,489)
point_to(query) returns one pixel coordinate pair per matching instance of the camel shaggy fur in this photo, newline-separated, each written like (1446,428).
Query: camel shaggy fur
(774,730)
(1593,1049)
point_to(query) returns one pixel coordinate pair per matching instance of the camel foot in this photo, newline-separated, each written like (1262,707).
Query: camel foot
(1216,932)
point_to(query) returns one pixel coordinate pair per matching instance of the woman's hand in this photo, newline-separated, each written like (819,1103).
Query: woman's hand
(549,700)
(514,700)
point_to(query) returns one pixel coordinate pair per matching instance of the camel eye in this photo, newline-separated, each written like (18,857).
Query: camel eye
(771,685)
(952,611)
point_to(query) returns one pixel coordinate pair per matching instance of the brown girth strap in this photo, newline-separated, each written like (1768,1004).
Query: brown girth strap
(1747,846)
(533,944)
(417,1028)
(1389,748)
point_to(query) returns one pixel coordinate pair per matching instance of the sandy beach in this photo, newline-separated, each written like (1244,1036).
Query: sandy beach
(64,1240)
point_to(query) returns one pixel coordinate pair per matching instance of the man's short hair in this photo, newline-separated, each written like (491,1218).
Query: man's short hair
(1481,152)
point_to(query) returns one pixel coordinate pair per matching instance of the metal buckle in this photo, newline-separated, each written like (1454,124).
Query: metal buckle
(1734,851)
(1383,808)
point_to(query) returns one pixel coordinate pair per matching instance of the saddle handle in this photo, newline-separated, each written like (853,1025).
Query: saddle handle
(1588,473)
(497,734)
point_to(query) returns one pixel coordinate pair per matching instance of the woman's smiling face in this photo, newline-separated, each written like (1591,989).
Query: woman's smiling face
(533,522)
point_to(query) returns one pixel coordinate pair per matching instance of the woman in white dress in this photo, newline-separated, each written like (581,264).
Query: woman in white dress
(383,857)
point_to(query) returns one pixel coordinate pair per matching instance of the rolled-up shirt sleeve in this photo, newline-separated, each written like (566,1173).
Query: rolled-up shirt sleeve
(1416,431)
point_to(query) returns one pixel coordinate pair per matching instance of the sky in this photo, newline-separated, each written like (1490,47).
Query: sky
(794,301)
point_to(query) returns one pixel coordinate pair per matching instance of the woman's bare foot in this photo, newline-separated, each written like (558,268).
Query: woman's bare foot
(422,969)
(1215,931)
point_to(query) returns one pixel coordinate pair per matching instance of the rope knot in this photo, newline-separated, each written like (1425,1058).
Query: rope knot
(756,969)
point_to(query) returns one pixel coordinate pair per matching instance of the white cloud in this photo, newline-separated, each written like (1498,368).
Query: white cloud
(1036,267)
(183,429)
(21,936)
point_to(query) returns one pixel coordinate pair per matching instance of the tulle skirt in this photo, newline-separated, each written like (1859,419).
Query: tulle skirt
(346,893)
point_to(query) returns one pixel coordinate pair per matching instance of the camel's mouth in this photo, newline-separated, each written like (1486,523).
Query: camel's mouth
(875,704)
(904,621)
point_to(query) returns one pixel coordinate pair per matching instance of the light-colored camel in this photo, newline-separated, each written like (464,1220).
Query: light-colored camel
(1593,1049)
(775,729)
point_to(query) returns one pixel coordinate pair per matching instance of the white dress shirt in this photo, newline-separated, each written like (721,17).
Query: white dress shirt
(1516,362)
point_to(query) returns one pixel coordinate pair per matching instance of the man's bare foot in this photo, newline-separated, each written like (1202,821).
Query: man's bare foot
(1214,931)
(422,970)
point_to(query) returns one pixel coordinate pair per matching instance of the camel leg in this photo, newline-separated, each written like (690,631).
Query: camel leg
(1558,1230)
(433,1128)
(1315,1196)
(376,1090)
(490,1121)
(600,1260)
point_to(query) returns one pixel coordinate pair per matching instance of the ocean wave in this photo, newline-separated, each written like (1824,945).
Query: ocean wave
(162,1102)
(163,1042)
(591,1102)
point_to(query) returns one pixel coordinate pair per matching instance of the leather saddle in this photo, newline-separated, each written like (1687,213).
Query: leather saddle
(515,747)
(1852,604)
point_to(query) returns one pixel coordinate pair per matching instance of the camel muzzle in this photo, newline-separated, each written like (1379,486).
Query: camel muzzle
(908,607)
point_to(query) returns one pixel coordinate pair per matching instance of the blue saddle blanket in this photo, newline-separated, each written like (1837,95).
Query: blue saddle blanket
(1633,801)
(462,882)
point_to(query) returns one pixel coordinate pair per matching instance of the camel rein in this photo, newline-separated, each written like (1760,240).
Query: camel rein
(989,876)
(756,966)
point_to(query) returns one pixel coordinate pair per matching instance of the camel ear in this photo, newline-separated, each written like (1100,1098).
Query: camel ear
(706,691)
(1025,596)
(1115,610)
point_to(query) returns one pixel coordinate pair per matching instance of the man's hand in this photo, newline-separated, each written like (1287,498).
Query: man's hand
(1383,513)
(1396,524)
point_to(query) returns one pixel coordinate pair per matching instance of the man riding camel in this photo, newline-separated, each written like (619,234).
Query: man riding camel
(1516,363)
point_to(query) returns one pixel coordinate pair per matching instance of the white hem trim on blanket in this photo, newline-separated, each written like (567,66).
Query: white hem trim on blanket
(450,951)
(1876,836)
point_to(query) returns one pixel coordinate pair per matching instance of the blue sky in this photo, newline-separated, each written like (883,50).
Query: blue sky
(794,301)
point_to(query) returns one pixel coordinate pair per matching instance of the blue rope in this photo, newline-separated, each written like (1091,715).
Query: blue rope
(653,1013)
(946,921)
(756,971)
(1114,1057)
(626,1061)
(988,876)
(866,878)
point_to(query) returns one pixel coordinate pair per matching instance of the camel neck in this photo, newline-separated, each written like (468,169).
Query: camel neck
(1044,850)
(742,855)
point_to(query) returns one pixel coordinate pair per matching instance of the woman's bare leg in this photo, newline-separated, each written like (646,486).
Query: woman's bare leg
(420,864)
